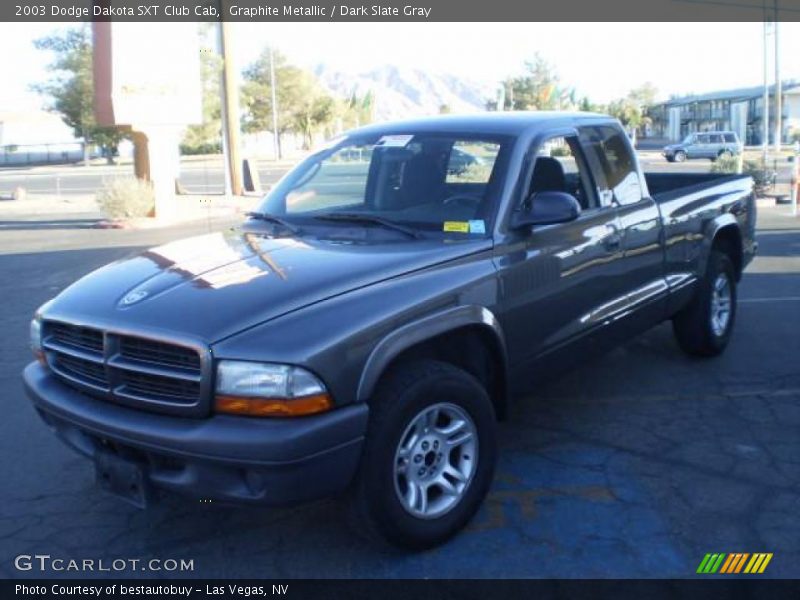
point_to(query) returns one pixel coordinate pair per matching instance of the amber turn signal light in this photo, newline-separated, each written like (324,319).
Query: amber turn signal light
(273,407)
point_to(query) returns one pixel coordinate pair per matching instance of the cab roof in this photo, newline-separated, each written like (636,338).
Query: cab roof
(498,123)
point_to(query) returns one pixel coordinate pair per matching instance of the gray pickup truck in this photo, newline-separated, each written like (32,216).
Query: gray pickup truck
(366,327)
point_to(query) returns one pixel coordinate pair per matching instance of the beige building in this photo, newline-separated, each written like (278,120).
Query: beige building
(740,110)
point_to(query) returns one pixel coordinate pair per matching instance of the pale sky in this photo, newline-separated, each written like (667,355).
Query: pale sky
(601,60)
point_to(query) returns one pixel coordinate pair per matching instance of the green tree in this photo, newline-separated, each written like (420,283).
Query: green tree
(644,95)
(356,110)
(632,109)
(627,111)
(587,105)
(535,89)
(207,136)
(71,87)
(304,106)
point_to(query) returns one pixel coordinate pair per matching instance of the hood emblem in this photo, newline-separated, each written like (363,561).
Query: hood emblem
(134,297)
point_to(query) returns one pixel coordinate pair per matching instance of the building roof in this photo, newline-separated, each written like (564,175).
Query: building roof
(747,93)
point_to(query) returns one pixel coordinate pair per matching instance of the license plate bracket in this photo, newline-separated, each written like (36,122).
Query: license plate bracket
(123,478)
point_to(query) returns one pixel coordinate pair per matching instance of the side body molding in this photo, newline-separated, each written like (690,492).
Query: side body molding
(423,329)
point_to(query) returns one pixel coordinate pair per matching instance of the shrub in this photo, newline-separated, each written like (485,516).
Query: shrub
(763,179)
(126,197)
(725,164)
(203,148)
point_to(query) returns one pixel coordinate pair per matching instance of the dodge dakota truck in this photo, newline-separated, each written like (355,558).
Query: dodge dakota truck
(361,333)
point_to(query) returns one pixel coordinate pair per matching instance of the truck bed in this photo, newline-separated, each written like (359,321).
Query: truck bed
(666,186)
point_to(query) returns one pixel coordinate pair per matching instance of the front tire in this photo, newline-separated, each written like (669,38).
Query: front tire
(704,327)
(680,156)
(429,455)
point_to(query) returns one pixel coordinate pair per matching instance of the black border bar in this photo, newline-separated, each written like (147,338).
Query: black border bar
(468,589)
(398,10)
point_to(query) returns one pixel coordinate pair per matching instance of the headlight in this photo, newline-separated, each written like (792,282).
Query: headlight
(36,333)
(268,390)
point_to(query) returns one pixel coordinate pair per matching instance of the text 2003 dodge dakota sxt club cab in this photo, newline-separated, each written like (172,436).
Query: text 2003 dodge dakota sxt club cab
(364,329)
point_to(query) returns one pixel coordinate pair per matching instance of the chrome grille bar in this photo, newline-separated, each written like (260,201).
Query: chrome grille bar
(130,369)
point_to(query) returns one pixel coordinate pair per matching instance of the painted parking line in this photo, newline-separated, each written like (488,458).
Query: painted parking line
(776,299)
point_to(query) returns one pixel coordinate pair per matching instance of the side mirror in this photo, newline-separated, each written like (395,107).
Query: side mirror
(548,208)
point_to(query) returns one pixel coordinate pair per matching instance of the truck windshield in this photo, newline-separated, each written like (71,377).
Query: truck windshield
(435,181)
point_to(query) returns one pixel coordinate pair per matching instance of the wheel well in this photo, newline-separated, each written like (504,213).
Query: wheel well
(473,349)
(729,241)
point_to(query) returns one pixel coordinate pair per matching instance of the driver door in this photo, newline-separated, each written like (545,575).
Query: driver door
(560,282)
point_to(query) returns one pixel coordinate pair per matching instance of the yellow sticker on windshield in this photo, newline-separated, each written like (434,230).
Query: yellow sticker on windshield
(457,226)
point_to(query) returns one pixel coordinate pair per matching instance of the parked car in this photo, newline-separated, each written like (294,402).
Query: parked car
(366,327)
(711,145)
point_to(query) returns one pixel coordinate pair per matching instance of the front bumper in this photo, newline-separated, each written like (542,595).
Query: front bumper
(224,458)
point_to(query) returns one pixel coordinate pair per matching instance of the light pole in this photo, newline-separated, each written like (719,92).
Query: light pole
(778,99)
(765,111)
(276,141)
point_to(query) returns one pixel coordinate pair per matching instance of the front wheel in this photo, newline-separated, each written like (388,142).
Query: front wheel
(704,327)
(428,457)
(680,156)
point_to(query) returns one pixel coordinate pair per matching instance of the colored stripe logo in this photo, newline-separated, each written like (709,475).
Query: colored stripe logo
(737,562)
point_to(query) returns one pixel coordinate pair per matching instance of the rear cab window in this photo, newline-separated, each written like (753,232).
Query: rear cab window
(612,162)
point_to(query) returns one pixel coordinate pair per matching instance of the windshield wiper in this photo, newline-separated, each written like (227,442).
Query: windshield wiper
(365,218)
(273,219)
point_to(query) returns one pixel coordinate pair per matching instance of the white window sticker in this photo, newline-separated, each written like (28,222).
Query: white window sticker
(395,141)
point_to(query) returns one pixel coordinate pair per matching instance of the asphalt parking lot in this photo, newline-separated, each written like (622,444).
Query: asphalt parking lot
(635,465)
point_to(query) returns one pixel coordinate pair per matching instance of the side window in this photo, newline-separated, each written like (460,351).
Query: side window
(730,138)
(703,139)
(716,139)
(561,167)
(610,156)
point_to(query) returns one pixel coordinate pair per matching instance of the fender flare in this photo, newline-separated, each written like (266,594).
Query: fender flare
(710,232)
(421,330)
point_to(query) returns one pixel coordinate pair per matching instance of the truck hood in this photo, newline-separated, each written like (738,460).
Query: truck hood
(213,286)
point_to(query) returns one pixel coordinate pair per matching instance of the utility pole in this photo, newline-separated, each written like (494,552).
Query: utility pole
(778,91)
(765,111)
(230,111)
(276,140)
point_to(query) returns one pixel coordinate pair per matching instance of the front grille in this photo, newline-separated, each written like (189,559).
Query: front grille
(159,353)
(132,370)
(77,337)
(79,368)
(155,387)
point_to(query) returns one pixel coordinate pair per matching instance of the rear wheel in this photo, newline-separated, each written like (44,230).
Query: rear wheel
(428,457)
(725,154)
(704,327)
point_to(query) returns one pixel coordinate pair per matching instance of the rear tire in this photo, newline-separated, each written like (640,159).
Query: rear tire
(418,485)
(704,326)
